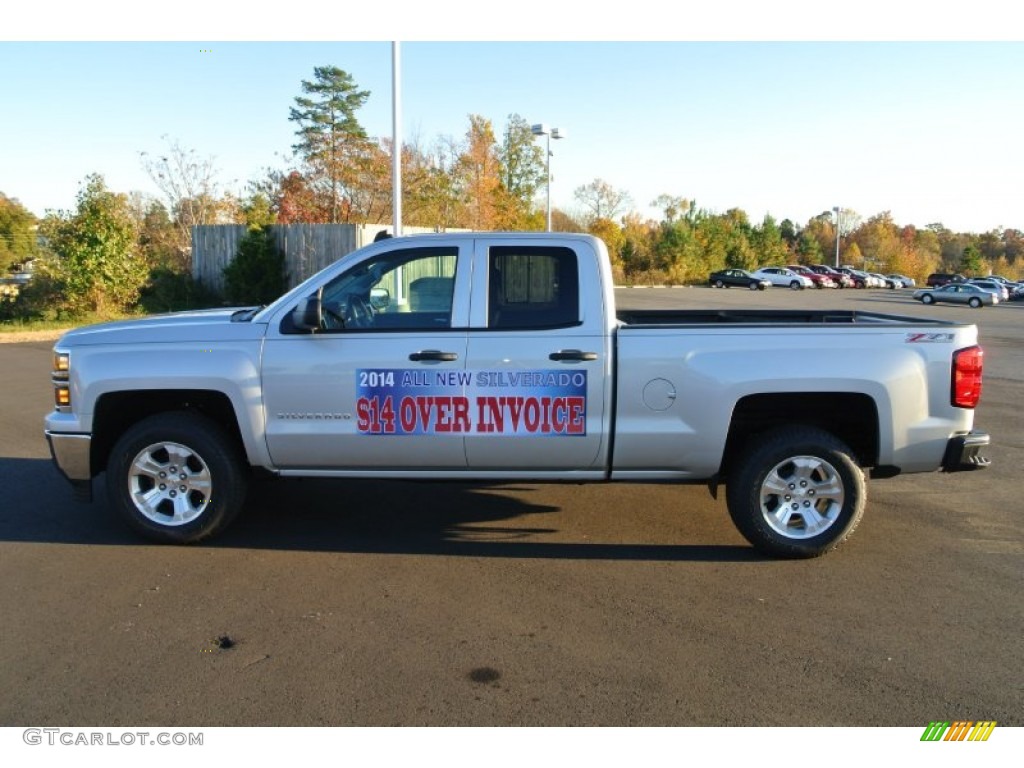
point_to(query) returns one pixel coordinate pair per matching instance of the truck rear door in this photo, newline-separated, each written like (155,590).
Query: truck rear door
(538,357)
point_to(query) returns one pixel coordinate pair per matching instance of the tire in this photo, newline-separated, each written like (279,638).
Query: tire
(796,492)
(927,299)
(211,478)
(753,286)
(719,284)
(795,286)
(975,302)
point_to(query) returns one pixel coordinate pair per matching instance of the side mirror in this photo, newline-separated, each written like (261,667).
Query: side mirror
(380,299)
(307,314)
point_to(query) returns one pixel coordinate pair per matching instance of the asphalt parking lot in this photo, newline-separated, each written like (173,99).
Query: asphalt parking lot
(368,603)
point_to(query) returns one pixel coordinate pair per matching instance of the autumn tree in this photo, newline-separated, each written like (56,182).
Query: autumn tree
(479,174)
(17,233)
(433,194)
(331,141)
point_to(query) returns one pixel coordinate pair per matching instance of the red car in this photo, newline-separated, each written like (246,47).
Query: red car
(842,280)
(820,280)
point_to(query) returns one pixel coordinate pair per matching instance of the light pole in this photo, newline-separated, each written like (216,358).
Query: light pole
(541,129)
(838,211)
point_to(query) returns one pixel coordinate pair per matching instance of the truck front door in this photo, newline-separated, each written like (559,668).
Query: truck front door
(380,385)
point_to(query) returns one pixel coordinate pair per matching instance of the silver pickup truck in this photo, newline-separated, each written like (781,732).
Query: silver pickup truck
(501,357)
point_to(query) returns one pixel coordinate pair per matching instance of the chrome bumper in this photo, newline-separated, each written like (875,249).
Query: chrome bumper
(71,454)
(962,452)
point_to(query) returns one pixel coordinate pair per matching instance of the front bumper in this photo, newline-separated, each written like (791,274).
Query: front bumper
(72,455)
(963,452)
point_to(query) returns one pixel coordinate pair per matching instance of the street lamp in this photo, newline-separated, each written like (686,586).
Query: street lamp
(541,129)
(837,211)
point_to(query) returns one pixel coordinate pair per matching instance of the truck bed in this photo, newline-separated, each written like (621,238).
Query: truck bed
(760,317)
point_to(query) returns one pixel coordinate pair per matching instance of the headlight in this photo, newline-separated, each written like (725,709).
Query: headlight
(61,384)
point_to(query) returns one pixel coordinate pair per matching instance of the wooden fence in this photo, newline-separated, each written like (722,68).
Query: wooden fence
(307,248)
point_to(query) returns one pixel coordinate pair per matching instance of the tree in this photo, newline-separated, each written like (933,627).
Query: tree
(331,139)
(98,262)
(808,249)
(17,233)
(602,200)
(479,174)
(189,186)
(522,170)
(672,207)
(432,195)
(257,273)
(971,261)
(158,237)
(771,248)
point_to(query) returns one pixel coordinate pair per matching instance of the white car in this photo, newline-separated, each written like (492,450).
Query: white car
(784,277)
(993,286)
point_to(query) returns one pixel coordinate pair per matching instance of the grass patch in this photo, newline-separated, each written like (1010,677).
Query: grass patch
(31,326)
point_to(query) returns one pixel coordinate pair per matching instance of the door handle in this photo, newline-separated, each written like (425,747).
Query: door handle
(433,354)
(572,354)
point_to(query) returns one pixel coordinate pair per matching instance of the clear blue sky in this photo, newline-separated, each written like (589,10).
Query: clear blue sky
(930,131)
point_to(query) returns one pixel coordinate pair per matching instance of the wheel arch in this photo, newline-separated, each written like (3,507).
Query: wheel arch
(116,412)
(851,417)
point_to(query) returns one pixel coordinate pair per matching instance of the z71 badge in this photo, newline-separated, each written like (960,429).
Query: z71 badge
(929,338)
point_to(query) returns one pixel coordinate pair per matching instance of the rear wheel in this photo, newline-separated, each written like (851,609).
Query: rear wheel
(176,478)
(796,492)
(719,284)
(975,302)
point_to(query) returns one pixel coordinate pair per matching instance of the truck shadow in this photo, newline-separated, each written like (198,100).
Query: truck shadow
(353,516)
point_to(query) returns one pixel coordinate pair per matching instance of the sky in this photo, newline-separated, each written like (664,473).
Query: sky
(739,112)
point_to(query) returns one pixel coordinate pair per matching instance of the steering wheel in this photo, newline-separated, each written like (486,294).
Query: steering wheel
(358,314)
(331,318)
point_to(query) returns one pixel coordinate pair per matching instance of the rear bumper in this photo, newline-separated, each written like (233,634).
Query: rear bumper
(963,452)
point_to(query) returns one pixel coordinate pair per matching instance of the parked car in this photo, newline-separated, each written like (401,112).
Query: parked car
(882,281)
(902,281)
(935,279)
(957,293)
(1016,288)
(819,280)
(726,278)
(860,279)
(1000,290)
(841,279)
(784,277)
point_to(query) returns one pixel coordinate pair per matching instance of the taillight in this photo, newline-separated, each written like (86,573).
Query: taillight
(967,365)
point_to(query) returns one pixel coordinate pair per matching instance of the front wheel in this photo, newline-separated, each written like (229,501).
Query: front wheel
(927,299)
(176,478)
(795,286)
(975,302)
(753,286)
(796,492)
